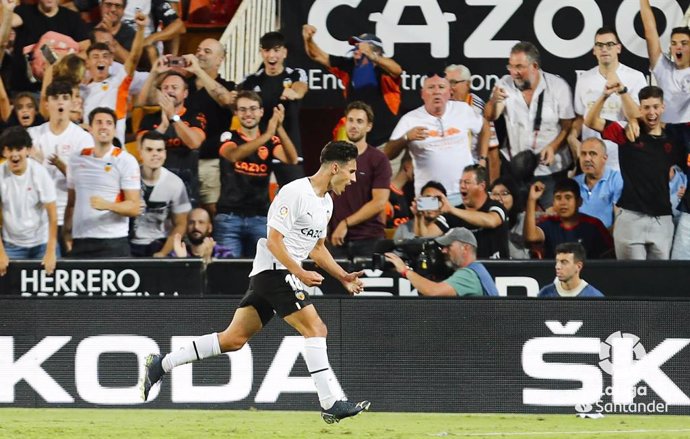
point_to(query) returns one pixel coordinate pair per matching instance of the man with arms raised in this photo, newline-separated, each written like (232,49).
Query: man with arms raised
(297,222)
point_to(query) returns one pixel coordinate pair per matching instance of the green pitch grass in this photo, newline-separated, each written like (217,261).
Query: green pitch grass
(196,424)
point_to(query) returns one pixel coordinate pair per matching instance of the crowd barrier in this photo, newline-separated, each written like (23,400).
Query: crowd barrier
(417,354)
(189,277)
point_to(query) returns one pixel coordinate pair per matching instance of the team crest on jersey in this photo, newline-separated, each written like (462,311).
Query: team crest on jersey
(283,211)
(299,294)
(287,83)
(105,86)
(262,152)
(108,167)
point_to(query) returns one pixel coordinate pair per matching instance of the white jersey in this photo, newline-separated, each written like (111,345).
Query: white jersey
(168,195)
(111,93)
(589,87)
(301,217)
(519,117)
(138,81)
(64,145)
(676,85)
(443,155)
(106,177)
(24,218)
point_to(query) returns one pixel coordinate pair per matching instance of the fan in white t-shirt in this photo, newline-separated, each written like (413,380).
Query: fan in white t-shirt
(27,198)
(58,139)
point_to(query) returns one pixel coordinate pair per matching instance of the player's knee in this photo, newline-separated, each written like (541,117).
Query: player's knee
(231,342)
(317,329)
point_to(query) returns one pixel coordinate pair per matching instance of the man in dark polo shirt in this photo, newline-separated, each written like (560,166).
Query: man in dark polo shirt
(184,129)
(644,226)
(246,163)
(278,84)
(484,217)
(358,219)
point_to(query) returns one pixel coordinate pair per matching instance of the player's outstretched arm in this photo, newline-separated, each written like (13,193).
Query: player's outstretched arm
(323,258)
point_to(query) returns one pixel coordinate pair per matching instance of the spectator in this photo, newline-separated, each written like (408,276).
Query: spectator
(368,76)
(245,175)
(600,185)
(103,184)
(483,216)
(644,227)
(678,182)
(117,67)
(358,213)
(123,34)
(437,134)
(278,84)
(460,80)
(34,20)
(470,277)
(538,111)
(398,207)
(672,75)
(505,191)
(165,199)
(56,141)
(607,48)
(27,198)
(25,112)
(567,224)
(426,222)
(198,242)
(570,258)
(105,90)
(183,127)
(211,95)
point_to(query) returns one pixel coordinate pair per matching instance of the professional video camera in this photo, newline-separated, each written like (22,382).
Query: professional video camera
(424,255)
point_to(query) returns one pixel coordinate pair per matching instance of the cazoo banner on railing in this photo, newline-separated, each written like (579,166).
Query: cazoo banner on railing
(447,355)
(426,35)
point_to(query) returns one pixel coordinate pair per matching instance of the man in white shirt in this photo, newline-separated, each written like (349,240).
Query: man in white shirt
(55,141)
(104,185)
(297,225)
(538,111)
(438,134)
(607,48)
(27,198)
(165,198)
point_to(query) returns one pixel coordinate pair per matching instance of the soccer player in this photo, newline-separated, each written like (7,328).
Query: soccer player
(297,224)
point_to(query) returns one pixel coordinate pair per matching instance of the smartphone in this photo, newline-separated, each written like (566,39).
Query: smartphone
(177,61)
(48,54)
(428,203)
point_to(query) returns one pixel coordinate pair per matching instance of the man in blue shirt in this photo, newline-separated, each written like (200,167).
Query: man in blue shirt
(470,277)
(600,186)
(570,258)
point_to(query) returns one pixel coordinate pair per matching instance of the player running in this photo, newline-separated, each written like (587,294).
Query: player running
(297,225)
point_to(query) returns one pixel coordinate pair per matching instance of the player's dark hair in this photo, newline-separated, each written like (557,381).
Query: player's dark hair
(651,91)
(104,110)
(270,40)
(57,88)
(681,30)
(15,138)
(359,105)
(605,30)
(575,248)
(434,185)
(153,135)
(338,151)
(479,172)
(97,46)
(529,49)
(568,185)
(251,95)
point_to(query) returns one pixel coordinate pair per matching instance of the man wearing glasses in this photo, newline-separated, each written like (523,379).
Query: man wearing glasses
(460,79)
(538,112)
(607,48)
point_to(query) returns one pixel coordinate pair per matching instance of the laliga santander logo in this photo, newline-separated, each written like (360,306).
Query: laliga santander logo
(621,355)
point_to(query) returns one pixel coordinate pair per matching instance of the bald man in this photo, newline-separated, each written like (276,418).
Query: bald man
(211,95)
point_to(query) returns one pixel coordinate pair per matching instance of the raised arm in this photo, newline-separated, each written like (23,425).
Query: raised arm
(651,34)
(530,231)
(311,48)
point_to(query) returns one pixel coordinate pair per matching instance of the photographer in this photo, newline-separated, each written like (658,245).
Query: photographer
(470,277)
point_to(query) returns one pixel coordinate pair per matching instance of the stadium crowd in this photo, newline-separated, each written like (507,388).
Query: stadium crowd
(116,146)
